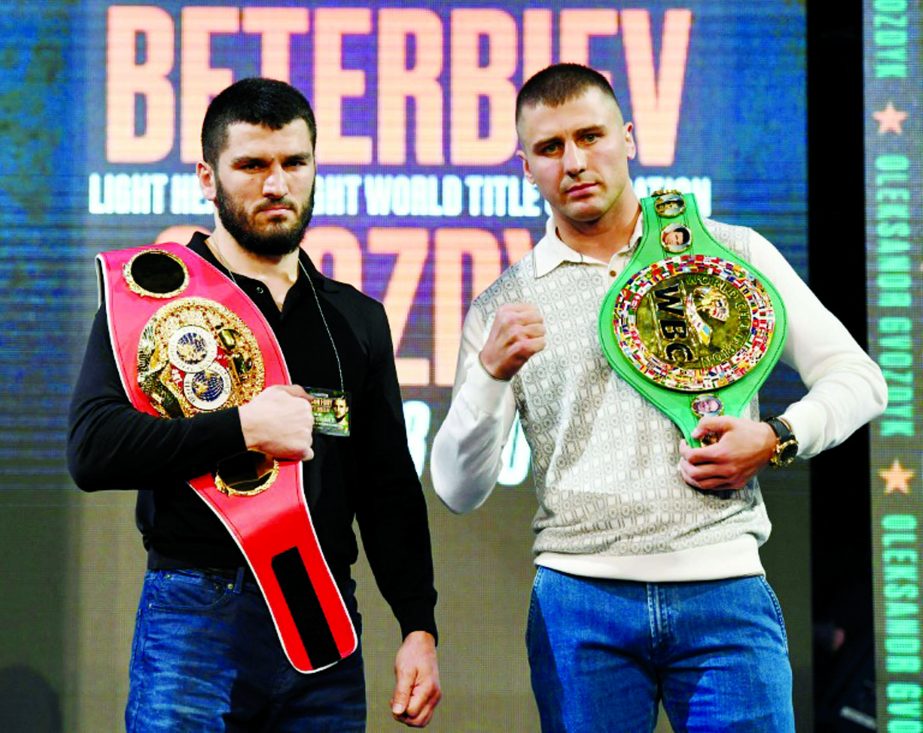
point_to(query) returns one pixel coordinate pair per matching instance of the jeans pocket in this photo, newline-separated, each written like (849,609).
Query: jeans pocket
(533,604)
(777,607)
(184,591)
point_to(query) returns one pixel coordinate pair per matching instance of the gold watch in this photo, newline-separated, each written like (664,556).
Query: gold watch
(786,443)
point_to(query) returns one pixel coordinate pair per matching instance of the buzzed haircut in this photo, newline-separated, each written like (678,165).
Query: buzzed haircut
(256,101)
(560,83)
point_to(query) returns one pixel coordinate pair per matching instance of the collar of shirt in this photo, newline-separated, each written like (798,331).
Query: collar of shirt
(198,245)
(551,252)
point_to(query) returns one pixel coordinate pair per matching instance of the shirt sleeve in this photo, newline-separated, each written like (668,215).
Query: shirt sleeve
(846,388)
(392,513)
(467,450)
(111,445)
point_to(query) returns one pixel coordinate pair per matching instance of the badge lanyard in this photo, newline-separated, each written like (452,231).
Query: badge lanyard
(329,417)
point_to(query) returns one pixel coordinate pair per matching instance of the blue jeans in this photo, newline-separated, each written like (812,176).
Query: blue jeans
(604,652)
(206,658)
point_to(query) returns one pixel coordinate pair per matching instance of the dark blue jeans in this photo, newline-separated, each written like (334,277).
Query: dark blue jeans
(206,657)
(603,653)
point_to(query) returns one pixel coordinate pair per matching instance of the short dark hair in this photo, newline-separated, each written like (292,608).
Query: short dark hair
(256,101)
(560,83)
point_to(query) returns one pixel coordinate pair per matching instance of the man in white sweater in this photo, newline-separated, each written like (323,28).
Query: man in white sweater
(649,584)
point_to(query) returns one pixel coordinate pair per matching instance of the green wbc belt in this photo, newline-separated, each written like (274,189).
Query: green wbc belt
(689,324)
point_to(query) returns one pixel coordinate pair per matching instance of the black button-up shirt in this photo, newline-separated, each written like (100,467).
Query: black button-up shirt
(368,476)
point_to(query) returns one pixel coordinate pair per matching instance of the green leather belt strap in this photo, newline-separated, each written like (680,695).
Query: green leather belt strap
(689,324)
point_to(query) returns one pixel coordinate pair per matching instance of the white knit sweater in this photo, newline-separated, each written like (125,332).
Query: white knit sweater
(611,501)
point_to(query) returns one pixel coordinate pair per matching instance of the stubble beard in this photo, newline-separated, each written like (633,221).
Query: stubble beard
(278,240)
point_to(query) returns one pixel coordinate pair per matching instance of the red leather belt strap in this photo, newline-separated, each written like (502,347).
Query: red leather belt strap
(273,527)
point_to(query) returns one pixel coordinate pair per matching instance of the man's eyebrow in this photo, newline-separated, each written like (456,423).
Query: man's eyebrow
(244,159)
(557,138)
(240,159)
(545,141)
(590,128)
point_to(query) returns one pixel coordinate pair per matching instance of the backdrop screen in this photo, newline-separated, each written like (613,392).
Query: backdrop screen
(420,198)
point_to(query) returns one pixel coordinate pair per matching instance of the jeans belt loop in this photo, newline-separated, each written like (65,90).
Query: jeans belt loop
(239,579)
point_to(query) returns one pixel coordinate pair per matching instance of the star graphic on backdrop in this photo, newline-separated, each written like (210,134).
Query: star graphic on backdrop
(890,120)
(897,478)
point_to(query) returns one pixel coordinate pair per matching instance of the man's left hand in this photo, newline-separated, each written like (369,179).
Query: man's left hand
(742,448)
(417,691)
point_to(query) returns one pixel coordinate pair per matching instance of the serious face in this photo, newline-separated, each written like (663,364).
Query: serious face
(263,188)
(577,154)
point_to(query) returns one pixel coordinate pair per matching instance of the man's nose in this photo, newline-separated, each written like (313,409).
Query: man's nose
(275,184)
(574,159)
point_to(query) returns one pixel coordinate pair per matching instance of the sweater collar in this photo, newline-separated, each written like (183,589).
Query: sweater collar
(551,251)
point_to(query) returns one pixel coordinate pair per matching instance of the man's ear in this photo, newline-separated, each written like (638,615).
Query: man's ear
(208,181)
(631,150)
(525,166)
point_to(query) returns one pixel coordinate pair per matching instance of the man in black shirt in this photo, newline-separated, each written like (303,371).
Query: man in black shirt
(205,654)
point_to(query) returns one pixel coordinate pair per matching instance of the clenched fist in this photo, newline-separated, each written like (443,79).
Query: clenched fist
(517,334)
(279,423)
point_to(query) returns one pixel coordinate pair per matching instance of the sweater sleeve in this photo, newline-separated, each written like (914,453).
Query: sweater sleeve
(845,387)
(467,450)
(111,445)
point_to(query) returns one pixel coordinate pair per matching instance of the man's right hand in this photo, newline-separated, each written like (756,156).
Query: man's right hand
(517,334)
(279,423)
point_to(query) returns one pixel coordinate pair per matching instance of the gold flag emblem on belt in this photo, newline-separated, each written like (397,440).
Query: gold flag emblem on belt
(693,323)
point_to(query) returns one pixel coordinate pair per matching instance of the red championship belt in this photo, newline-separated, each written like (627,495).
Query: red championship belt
(187,340)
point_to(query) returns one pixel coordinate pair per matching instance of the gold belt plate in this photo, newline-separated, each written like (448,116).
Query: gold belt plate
(196,355)
(693,323)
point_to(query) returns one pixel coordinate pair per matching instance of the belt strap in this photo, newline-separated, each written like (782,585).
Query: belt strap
(187,340)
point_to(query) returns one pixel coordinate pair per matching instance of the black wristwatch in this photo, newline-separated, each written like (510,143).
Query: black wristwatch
(786,444)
